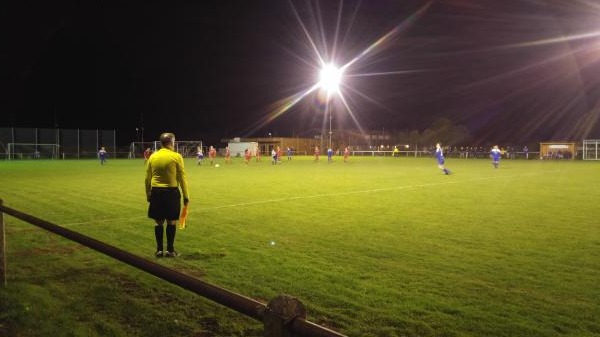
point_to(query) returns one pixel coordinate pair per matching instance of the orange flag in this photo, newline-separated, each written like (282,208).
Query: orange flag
(183,217)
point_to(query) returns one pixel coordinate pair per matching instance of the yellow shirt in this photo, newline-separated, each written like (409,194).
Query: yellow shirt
(165,169)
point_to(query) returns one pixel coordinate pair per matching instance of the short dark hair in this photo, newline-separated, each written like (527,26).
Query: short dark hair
(166,138)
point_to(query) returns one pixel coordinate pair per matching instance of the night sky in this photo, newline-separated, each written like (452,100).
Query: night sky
(511,71)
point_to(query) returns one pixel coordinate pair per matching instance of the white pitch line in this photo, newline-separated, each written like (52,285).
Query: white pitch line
(383,189)
(365,191)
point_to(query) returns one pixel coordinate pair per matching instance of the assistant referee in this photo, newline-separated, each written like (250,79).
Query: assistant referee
(165,183)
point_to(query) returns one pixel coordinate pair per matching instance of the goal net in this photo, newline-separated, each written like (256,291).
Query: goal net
(32,151)
(136,149)
(187,148)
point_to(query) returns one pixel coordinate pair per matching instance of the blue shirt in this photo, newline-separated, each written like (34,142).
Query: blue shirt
(439,155)
(496,154)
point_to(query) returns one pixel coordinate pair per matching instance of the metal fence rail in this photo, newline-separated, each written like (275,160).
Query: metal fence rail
(283,316)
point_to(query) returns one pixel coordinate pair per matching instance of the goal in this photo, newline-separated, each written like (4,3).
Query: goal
(136,149)
(591,149)
(32,151)
(187,148)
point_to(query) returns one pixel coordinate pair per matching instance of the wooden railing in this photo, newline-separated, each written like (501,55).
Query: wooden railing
(283,316)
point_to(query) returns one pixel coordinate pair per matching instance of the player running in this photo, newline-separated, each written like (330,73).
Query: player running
(102,155)
(495,154)
(258,154)
(247,156)
(227,155)
(212,154)
(439,156)
(273,157)
(199,155)
(147,154)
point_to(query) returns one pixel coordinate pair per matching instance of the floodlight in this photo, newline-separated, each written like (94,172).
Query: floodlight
(330,78)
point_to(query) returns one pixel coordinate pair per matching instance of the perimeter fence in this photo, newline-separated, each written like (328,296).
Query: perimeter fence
(36,143)
(449,154)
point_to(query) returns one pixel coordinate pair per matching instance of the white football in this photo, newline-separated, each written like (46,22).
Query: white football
(216,165)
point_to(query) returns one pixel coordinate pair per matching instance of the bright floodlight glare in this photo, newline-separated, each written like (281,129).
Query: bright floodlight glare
(330,78)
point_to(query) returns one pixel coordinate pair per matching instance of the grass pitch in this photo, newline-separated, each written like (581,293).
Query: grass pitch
(373,247)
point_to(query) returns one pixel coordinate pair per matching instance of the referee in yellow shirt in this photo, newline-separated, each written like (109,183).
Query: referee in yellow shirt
(165,176)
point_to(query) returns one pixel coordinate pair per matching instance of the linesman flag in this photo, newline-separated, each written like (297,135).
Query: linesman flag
(183,217)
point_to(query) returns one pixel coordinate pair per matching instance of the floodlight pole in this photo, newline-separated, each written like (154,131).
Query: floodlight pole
(330,132)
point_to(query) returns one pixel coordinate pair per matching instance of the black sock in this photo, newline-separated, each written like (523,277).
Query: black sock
(158,234)
(170,237)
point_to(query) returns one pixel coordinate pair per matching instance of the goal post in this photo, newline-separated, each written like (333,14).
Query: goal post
(32,151)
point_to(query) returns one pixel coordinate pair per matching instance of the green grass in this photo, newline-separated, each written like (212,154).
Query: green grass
(373,247)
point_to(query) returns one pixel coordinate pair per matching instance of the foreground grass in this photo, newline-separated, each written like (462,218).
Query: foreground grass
(373,247)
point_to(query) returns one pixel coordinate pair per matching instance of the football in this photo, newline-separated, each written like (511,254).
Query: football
(216,165)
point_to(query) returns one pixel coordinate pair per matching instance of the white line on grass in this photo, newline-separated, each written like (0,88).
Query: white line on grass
(383,189)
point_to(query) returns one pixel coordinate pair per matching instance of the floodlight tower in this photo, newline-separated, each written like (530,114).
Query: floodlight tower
(330,132)
(330,78)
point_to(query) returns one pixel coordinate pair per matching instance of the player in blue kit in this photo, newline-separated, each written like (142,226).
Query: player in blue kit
(102,155)
(330,155)
(273,157)
(199,155)
(495,154)
(439,156)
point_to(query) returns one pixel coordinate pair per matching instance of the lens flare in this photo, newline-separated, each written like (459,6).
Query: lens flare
(329,87)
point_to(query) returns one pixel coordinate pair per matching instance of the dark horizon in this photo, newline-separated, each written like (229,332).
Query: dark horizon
(516,72)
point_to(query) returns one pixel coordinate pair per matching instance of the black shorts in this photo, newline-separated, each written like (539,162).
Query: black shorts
(165,203)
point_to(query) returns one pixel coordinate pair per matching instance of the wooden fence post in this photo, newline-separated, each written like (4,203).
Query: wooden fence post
(2,250)
(281,311)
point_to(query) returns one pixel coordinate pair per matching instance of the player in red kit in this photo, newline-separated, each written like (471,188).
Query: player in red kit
(247,156)
(278,154)
(227,155)
(147,154)
(212,154)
